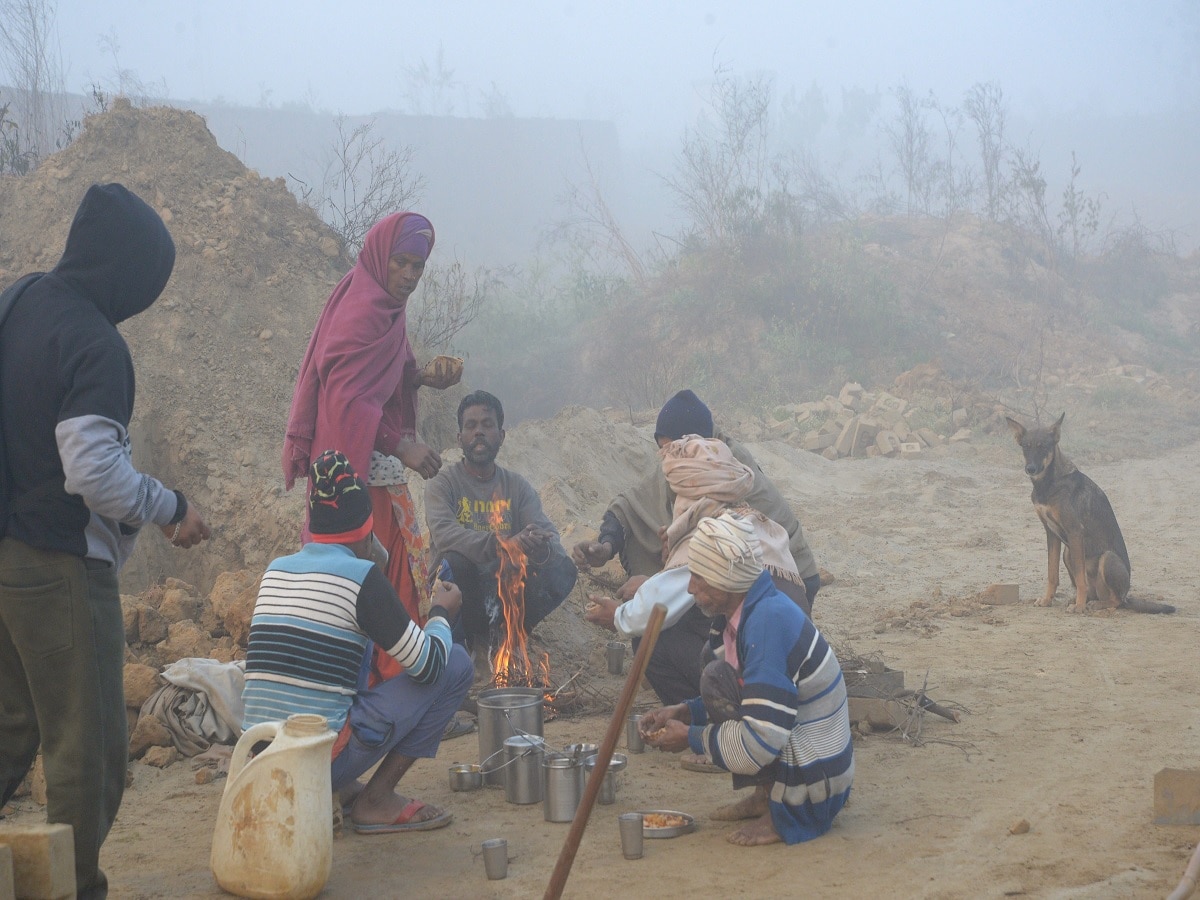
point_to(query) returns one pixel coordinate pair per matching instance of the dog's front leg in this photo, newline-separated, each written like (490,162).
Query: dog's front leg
(1077,568)
(1053,550)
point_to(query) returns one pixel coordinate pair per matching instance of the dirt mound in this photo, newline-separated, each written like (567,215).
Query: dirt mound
(217,355)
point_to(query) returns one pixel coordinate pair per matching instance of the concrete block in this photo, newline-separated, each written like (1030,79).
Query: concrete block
(888,443)
(43,860)
(889,406)
(817,441)
(1177,797)
(844,444)
(850,394)
(963,434)
(910,450)
(7,891)
(902,430)
(830,453)
(865,431)
(1000,595)
(929,437)
(782,428)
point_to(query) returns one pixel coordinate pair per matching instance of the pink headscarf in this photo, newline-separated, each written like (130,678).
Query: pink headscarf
(357,388)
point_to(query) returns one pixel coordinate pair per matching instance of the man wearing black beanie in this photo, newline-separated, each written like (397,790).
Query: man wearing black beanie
(631,528)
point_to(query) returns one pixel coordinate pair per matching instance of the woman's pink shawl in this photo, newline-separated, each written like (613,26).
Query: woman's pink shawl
(357,388)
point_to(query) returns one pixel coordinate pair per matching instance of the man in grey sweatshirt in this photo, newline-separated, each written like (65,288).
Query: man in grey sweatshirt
(472,507)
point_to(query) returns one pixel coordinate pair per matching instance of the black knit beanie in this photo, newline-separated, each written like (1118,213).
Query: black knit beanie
(339,506)
(685,413)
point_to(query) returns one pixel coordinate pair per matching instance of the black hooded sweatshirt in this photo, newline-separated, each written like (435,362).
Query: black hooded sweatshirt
(67,385)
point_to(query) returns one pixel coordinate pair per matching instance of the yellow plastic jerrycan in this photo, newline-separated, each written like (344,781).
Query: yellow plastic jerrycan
(274,833)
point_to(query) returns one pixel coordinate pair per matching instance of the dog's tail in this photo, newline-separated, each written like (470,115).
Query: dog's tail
(1147,606)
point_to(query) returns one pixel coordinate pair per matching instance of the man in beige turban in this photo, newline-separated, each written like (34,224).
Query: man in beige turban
(772,708)
(631,527)
(706,479)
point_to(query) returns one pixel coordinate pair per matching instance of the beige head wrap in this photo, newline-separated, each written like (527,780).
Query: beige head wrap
(706,479)
(725,552)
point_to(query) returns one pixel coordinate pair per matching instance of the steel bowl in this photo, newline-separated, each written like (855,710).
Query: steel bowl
(466,777)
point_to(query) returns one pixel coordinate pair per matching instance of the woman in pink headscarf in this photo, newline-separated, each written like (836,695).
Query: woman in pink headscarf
(357,391)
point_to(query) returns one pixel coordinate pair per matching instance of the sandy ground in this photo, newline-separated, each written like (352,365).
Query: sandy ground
(1067,720)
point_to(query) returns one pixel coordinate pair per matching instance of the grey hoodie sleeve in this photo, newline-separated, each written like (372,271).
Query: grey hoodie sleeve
(98,467)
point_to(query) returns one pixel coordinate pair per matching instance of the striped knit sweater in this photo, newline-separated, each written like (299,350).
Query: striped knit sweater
(794,711)
(314,614)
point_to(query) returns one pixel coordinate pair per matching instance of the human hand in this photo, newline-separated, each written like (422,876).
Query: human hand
(657,719)
(670,737)
(448,596)
(600,611)
(630,587)
(531,538)
(191,530)
(421,458)
(591,554)
(441,372)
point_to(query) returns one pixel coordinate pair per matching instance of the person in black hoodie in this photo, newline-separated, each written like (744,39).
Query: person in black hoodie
(71,506)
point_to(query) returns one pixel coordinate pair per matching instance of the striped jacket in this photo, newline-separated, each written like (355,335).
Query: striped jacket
(794,715)
(313,617)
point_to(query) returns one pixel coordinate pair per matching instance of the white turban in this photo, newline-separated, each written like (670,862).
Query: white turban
(726,553)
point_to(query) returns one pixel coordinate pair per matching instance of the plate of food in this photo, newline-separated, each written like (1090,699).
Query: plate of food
(666,823)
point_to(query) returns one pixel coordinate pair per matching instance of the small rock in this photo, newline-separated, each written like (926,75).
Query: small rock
(205,776)
(161,757)
(1021,826)
(149,732)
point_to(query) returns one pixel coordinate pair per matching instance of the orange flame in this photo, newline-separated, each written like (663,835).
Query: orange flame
(511,663)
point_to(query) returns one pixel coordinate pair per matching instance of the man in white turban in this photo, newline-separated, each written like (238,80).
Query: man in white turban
(772,708)
(706,479)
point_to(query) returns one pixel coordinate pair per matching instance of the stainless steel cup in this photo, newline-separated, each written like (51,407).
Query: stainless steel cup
(633,734)
(608,787)
(614,652)
(631,834)
(495,858)
(465,777)
(562,787)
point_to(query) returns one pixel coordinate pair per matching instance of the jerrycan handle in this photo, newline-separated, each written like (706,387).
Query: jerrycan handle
(263,731)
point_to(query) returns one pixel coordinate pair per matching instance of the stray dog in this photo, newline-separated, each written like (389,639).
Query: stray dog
(1080,523)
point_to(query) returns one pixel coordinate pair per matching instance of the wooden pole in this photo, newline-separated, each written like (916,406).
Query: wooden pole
(566,857)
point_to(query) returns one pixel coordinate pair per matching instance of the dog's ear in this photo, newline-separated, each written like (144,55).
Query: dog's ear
(1018,429)
(1057,426)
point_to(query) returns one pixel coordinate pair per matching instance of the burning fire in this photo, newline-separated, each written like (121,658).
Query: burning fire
(511,663)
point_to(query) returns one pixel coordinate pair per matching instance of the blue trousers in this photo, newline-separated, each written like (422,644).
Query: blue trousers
(403,716)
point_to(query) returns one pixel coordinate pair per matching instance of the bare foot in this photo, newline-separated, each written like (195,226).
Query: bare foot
(751,807)
(755,834)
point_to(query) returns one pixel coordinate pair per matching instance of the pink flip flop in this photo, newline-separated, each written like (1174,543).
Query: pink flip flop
(405,822)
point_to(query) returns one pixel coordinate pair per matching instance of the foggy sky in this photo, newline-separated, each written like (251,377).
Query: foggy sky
(639,63)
